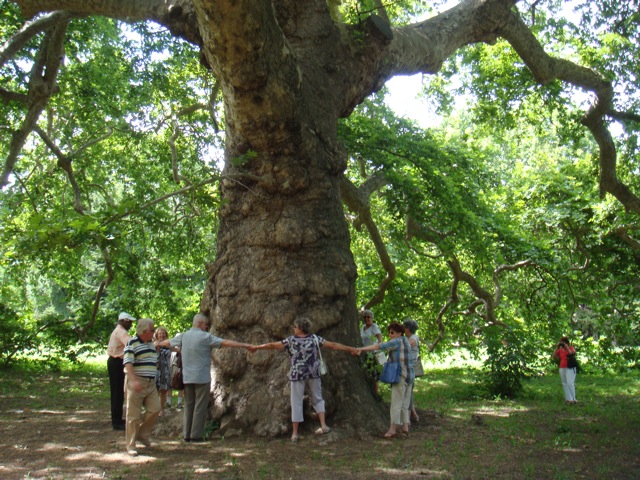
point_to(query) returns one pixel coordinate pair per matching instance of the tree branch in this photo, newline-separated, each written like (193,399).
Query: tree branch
(42,84)
(423,47)
(65,164)
(506,268)
(155,201)
(178,16)
(29,30)
(358,201)
(9,96)
(546,68)
(82,333)
(624,116)
(623,233)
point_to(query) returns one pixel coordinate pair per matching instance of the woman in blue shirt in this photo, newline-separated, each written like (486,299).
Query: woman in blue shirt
(400,352)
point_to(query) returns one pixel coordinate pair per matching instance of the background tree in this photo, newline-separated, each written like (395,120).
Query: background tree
(287,71)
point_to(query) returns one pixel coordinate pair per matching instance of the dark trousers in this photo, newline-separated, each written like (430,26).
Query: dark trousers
(196,407)
(116,384)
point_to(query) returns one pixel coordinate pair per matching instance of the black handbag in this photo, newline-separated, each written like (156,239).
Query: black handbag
(572,362)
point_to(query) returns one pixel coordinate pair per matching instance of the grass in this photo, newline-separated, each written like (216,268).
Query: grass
(528,432)
(460,436)
(62,383)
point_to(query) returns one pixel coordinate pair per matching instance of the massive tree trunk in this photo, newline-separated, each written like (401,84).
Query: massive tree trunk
(283,244)
(288,72)
(283,251)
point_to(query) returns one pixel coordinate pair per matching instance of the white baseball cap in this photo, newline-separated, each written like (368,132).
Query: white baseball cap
(126,316)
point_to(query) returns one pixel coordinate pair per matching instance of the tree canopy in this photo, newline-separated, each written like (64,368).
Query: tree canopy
(510,223)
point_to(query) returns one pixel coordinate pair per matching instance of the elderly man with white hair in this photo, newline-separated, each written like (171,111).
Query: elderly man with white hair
(140,362)
(195,347)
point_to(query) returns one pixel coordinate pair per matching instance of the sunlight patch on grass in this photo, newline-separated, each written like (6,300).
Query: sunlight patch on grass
(569,450)
(397,473)
(240,454)
(501,411)
(78,420)
(204,470)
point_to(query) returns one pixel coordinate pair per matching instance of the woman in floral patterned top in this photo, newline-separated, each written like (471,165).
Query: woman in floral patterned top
(303,348)
(163,373)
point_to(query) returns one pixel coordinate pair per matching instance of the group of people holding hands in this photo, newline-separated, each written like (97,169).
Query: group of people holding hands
(143,360)
(139,356)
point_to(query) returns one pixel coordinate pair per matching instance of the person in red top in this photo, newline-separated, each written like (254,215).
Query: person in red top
(567,375)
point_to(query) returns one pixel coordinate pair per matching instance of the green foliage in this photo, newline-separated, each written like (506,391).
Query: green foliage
(119,101)
(399,12)
(498,195)
(506,366)
(242,159)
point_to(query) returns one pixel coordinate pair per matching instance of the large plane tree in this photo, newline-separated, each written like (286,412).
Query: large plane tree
(287,71)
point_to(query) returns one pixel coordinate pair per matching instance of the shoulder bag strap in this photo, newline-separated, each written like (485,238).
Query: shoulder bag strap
(315,339)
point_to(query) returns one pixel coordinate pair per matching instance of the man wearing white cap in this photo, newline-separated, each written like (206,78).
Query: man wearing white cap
(115,350)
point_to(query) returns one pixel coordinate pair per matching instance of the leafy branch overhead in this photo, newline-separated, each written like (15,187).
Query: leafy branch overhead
(414,48)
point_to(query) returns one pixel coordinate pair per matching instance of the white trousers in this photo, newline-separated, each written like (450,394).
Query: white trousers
(297,397)
(568,379)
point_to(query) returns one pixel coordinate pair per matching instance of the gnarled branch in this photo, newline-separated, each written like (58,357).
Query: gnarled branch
(357,200)
(42,84)
(545,69)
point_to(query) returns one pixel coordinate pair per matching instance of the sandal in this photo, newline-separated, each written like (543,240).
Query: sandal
(295,438)
(323,430)
(390,435)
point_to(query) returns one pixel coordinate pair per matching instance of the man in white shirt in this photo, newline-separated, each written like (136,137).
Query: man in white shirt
(115,350)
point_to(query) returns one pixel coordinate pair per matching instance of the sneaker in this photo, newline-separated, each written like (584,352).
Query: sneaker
(132,452)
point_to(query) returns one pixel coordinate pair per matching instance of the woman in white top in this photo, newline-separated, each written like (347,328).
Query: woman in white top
(371,334)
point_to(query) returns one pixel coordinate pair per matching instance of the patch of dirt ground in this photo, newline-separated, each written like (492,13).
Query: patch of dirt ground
(69,436)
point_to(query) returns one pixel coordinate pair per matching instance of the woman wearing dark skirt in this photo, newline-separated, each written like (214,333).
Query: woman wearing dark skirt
(163,375)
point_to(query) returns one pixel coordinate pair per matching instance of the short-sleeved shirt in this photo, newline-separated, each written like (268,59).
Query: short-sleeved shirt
(117,341)
(400,351)
(195,349)
(143,356)
(415,351)
(368,335)
(561,353)
(305,361)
